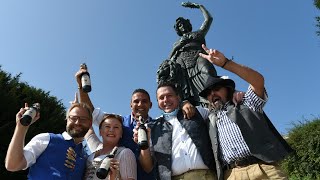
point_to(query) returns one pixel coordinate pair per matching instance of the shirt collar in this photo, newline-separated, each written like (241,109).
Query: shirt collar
(226,105)
(66,136)
(134,120)
(170,115)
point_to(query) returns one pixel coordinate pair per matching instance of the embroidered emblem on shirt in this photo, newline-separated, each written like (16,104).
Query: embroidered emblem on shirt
(70,158)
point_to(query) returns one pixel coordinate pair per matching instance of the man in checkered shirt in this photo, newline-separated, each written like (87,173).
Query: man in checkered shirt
(244,141)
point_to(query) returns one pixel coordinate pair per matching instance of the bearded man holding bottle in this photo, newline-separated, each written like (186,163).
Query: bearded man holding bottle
(48,155)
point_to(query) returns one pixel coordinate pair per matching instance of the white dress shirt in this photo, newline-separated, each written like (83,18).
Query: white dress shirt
(185,155)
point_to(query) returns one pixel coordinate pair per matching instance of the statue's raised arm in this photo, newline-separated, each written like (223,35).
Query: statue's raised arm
(207,16)
(183,28)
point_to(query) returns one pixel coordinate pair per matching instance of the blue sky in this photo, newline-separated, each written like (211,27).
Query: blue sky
(124,42)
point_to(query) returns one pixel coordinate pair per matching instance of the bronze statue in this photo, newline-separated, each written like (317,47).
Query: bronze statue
(194,70)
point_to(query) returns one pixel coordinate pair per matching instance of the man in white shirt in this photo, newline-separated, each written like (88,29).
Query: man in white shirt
(51,155)
(179,148)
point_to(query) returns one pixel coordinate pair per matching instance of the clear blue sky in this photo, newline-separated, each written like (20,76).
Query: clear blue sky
(123,43)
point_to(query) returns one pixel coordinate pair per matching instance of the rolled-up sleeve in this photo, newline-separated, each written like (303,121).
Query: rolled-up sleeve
(253,101)
(93,142)
(35,148)
(97,116)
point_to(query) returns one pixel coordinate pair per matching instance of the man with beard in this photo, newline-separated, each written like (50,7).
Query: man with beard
(51,156)
(244,141)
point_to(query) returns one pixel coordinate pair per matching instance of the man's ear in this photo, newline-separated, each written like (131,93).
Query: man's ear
(130,105)
(150,105)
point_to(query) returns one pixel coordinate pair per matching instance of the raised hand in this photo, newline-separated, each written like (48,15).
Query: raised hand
(214,56)
(22,111)
(188,110)
(190,5)
(238,97)
(78,76)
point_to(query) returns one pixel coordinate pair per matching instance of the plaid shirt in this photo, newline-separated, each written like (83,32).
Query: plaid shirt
(232,144)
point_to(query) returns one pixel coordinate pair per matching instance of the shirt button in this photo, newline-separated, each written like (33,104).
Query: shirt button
(185,154)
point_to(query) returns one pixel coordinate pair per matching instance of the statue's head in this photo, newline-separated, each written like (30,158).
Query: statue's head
(182,26)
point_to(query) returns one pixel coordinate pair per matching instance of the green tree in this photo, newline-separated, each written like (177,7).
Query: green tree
(304,163)
(13,95)
(317,4)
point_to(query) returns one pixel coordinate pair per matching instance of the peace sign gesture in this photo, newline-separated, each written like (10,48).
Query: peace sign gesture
(214,56)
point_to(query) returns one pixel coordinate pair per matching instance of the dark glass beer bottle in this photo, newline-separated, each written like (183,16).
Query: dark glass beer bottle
(30,114)
(142,135)
(85,79)
(104,169)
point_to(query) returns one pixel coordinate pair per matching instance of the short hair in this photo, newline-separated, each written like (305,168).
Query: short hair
(169,84)
(139,90)
(106,116)
(80,105)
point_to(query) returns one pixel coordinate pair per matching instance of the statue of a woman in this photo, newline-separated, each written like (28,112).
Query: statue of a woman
(186,53)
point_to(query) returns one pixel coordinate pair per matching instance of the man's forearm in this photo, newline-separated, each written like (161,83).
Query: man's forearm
(254,78)
(84,98)
(15,159)
(145,160)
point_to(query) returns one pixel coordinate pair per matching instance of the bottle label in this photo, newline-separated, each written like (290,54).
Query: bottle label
(85,80)
(105,163)
(142,135)
(31,112)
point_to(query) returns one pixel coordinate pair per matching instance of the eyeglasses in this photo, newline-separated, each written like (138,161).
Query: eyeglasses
(80,119)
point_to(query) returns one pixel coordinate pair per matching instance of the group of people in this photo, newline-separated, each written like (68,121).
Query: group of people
(232,138)
(229,140)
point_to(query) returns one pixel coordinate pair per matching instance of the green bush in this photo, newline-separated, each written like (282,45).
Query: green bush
(304,163)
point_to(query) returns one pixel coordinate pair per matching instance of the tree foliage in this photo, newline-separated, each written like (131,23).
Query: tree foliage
(13,95)
(304,163)
(317,4)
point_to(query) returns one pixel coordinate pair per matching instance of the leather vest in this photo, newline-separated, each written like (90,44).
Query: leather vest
(161,136)
(262,138)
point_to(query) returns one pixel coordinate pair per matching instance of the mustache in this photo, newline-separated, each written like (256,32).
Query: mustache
(77,134)
(217,105)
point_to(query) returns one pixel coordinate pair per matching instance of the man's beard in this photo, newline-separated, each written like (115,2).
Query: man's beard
(217,105)
(77,133)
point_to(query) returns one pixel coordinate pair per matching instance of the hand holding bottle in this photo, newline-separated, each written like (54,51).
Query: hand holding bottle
(28,115)
(142,135)
(104,169)
(83,78)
